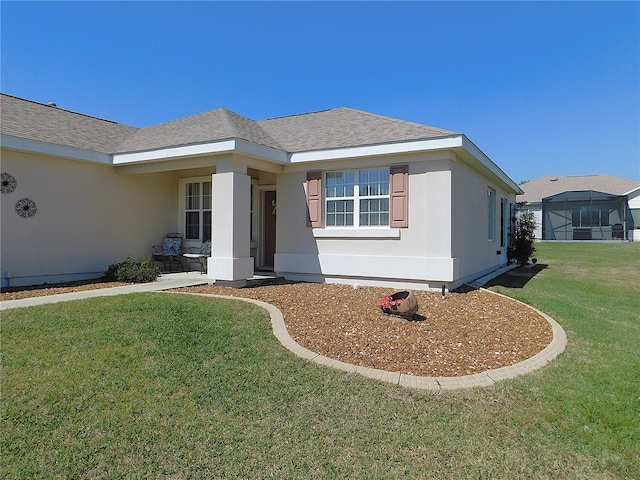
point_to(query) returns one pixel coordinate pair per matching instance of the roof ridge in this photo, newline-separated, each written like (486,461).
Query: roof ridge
(398,120)
(298,114)
(179,119)
(230,113)
(363,112)
(53,105)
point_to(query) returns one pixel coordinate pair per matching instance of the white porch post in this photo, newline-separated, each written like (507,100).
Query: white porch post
(230,262)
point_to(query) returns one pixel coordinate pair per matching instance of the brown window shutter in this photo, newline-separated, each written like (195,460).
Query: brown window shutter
(399,196)
(314,199)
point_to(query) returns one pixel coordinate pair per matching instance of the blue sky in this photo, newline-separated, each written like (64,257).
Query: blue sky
(541,88)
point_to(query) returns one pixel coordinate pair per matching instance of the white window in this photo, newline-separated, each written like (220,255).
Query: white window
(357,198)
(491,214)
(195,209)
(504,222)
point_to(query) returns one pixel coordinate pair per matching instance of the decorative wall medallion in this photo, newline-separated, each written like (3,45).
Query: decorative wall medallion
(26,208)
(8,182)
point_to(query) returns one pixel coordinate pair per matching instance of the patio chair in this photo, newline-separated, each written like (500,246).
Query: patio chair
(198,256)
(617,231)
(169,252)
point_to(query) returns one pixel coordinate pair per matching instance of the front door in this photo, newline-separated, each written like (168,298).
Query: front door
(268,228)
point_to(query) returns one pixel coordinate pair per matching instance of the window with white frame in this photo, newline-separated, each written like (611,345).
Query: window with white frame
(357,198)
(491,214)
(196,209)
(504,222)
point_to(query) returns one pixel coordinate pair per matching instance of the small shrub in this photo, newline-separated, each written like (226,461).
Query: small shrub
(131,271)
(523,238)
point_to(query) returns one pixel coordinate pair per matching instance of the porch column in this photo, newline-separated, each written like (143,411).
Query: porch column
(230,262)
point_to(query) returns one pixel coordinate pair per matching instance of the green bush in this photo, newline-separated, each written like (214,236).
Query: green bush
(523,237)
(131,271)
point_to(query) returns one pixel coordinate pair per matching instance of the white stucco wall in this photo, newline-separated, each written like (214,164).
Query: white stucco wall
(536,209)
(420,256)
(88,217)
(471,244)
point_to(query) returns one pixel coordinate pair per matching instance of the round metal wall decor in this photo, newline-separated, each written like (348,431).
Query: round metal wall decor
(8,182)
(26,208)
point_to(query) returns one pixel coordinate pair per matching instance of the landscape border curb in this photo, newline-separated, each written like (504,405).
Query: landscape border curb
(483,379)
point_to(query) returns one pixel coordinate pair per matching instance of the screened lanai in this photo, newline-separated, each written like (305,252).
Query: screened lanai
(584,215)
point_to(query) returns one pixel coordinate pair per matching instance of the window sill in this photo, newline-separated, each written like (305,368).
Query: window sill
(356,233)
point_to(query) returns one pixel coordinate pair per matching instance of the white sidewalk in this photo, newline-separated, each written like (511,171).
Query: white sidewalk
(164,282)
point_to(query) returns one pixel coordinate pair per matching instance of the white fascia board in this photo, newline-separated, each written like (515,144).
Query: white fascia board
(212,148)
(227,146)
(260,151)
(630,192)
(43,148)
(374,150)
(485,161)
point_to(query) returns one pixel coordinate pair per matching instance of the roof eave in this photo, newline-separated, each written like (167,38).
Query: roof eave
(488,166)
(391,148)
(633,190)
(218,147)
(52,149)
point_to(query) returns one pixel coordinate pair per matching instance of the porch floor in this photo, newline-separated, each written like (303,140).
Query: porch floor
(259,277)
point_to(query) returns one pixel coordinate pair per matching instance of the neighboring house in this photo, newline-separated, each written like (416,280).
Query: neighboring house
(587,207)
(361,198)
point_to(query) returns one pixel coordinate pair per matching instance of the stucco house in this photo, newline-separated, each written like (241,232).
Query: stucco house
(339,195)
(583,207)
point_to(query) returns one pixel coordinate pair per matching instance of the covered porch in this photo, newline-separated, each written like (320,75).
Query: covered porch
(227,200)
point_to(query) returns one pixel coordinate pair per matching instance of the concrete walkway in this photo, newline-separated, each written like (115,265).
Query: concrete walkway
(164,282)
(484,379)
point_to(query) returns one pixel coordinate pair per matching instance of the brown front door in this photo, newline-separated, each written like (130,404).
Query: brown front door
(268,228)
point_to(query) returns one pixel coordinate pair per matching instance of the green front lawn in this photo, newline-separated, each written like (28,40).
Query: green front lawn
(156,385)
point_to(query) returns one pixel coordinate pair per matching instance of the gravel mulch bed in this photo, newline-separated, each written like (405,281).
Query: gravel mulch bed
(463,334)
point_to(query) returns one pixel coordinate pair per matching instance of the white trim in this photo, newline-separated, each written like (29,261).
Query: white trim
(372,150)
(356,197)
(637,189)
(175,152)
(356,232)
(210,148)
(422,269)
(492,206)
(35,146)
(485,161)
(254,150)
(182,183)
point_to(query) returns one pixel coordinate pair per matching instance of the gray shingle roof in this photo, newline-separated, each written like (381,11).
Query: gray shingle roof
(327,129)
(36,121)
(536,190)
(344,127)
(214,125)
